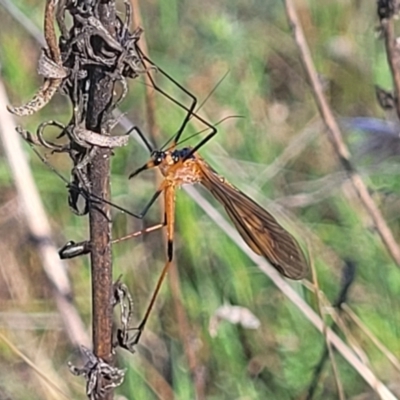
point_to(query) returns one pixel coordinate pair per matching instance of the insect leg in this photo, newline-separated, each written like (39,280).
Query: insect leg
(190,110)
(140,328)
(203,141)
(192,107)
(139,233)
(169,219)
(72,249)
(143,137)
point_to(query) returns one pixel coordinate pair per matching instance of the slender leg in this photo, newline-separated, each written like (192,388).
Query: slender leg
(140,328)
(169,216)
(169,201)
(192,107)
(72,249)
(139,233)
(143,137)
(190,110)
(202,142)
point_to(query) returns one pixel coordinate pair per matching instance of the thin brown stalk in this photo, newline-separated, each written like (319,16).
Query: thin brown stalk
(99,217)
(350,338)
(336,138)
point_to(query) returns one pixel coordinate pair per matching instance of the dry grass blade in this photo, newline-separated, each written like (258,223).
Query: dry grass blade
(31,364)
(390,356)
(150,92)
(339,321)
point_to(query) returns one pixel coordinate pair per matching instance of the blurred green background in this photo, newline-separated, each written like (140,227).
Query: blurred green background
(277,152)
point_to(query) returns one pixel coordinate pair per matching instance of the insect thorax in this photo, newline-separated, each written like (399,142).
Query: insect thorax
(178,170)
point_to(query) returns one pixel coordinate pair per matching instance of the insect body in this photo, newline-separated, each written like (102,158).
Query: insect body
(259,229)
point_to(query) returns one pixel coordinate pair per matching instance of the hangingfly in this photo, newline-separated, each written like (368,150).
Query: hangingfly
(259,229)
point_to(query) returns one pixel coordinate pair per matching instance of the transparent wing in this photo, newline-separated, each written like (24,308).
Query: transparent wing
(259,229)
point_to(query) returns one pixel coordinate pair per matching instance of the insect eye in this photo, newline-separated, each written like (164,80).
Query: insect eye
(158,157)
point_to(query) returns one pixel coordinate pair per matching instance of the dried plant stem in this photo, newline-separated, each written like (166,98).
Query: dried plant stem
(100,97)
(335,136)
(100,234)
